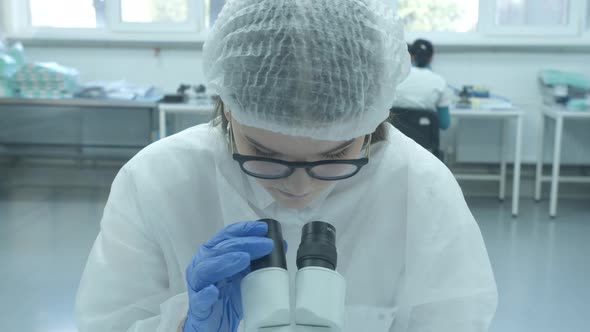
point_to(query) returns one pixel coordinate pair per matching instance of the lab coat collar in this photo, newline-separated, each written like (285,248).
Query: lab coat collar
(262,198)
(244,185)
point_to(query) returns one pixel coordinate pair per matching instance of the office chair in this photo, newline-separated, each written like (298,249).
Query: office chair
(420,125)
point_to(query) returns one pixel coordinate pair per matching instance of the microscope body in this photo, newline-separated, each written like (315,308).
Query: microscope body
(319,294)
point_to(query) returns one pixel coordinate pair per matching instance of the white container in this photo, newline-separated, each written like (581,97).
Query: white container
(320,298)
(265,299)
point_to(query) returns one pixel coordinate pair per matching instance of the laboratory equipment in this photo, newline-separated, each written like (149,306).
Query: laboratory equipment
(560,87)
(319,290)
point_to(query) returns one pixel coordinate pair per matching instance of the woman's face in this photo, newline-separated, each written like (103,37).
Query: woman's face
(299,189)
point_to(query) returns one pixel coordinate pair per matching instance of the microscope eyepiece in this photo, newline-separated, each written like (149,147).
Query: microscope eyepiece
(318,246)
(277,257)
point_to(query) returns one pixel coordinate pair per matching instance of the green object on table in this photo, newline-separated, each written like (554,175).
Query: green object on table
(578,105)
(558,77)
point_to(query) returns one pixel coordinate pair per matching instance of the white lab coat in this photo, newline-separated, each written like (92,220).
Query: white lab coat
(423,89)
(409,248)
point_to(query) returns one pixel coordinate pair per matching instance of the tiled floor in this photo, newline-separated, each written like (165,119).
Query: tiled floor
(45,238)
(542,266)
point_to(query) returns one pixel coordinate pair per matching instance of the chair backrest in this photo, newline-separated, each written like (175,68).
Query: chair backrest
(420,125)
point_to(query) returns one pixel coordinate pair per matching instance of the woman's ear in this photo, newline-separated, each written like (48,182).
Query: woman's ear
(228,116)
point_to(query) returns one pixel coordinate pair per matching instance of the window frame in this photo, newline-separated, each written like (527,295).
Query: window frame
(16,26)
(489,27)
(488,36)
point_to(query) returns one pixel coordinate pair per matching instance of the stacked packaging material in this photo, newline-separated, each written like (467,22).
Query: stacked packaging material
(6,89)
(47,80)
(7,65)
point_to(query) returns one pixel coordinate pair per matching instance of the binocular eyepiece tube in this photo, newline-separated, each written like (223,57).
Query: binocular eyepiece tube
(277,257)
(319,291)
(317,248)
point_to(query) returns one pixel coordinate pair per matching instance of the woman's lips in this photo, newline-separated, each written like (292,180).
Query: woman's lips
(292,196)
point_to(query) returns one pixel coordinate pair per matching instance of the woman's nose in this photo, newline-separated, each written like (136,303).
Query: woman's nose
(299,183)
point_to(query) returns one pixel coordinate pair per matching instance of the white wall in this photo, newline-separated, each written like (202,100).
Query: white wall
(511,74)
(138,65)
(2,28)
(514,75)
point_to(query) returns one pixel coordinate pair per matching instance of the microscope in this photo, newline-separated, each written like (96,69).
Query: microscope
(319,290)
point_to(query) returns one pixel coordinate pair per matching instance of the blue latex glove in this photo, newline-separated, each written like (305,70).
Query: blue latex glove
(214,275)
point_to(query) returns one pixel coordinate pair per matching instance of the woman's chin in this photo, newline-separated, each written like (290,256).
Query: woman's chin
(292,202)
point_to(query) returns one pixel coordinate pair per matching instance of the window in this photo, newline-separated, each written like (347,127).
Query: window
(52,13)
(212,10)
(477,20)
(153,15)
(439,15)
(170,12)
(113,16)
(532,12)
(534,17)
(453,22)
(154,11)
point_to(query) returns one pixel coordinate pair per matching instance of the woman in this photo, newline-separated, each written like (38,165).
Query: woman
(306,81)
(423,88)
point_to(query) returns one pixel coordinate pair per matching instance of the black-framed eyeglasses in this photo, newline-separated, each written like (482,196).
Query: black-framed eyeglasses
(273,169)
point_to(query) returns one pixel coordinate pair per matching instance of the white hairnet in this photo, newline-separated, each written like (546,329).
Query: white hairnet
(325,69)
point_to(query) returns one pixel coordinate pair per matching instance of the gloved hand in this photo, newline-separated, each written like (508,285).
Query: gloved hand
(214,275)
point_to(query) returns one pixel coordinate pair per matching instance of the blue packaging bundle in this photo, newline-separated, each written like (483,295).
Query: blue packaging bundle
(47,80)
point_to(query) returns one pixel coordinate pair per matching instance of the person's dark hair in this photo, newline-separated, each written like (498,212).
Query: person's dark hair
(422,51)
(219,119)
